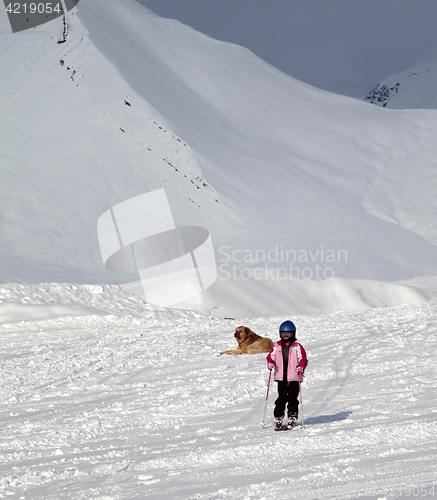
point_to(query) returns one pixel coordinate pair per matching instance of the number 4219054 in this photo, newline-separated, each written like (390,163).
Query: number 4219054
(34,8)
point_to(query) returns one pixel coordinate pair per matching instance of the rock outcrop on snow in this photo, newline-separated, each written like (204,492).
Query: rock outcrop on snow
(410,89)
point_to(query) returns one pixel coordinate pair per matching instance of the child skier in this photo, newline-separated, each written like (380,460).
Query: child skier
(289,360)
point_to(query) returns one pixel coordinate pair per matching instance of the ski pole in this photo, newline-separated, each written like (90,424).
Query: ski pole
(267,397)
(301,404)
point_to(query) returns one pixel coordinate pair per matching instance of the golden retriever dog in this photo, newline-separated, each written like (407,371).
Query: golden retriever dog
(249,342)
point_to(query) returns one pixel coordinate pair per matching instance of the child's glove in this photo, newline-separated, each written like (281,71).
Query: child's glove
(300,370)
(270,366)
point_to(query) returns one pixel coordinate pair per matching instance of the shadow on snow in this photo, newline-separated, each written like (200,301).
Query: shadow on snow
(323,419)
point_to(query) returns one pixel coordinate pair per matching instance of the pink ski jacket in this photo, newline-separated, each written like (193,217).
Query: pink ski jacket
(296,357)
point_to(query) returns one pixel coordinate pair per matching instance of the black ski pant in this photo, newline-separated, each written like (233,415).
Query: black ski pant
(288,392)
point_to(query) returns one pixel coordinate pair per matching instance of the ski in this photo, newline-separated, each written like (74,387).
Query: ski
(285,428)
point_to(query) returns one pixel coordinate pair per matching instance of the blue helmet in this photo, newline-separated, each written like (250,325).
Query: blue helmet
(287,326)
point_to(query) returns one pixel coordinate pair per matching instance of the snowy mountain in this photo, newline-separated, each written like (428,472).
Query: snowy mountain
(103,397)
(410,89)
(283,175)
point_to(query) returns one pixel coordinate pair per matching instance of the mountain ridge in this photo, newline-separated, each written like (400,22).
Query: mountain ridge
(132,103)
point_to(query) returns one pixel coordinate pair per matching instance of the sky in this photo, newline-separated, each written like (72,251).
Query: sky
(344,46)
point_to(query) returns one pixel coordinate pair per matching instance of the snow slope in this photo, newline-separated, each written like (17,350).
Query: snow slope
(413,88)
(132,103)
(120,406)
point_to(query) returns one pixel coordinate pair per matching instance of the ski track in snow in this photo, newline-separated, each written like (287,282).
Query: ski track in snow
(122,407)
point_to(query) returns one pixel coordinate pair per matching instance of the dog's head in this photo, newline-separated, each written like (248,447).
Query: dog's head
(241,333)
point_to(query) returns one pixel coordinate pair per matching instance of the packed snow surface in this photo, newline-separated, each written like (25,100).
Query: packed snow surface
(134,403)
